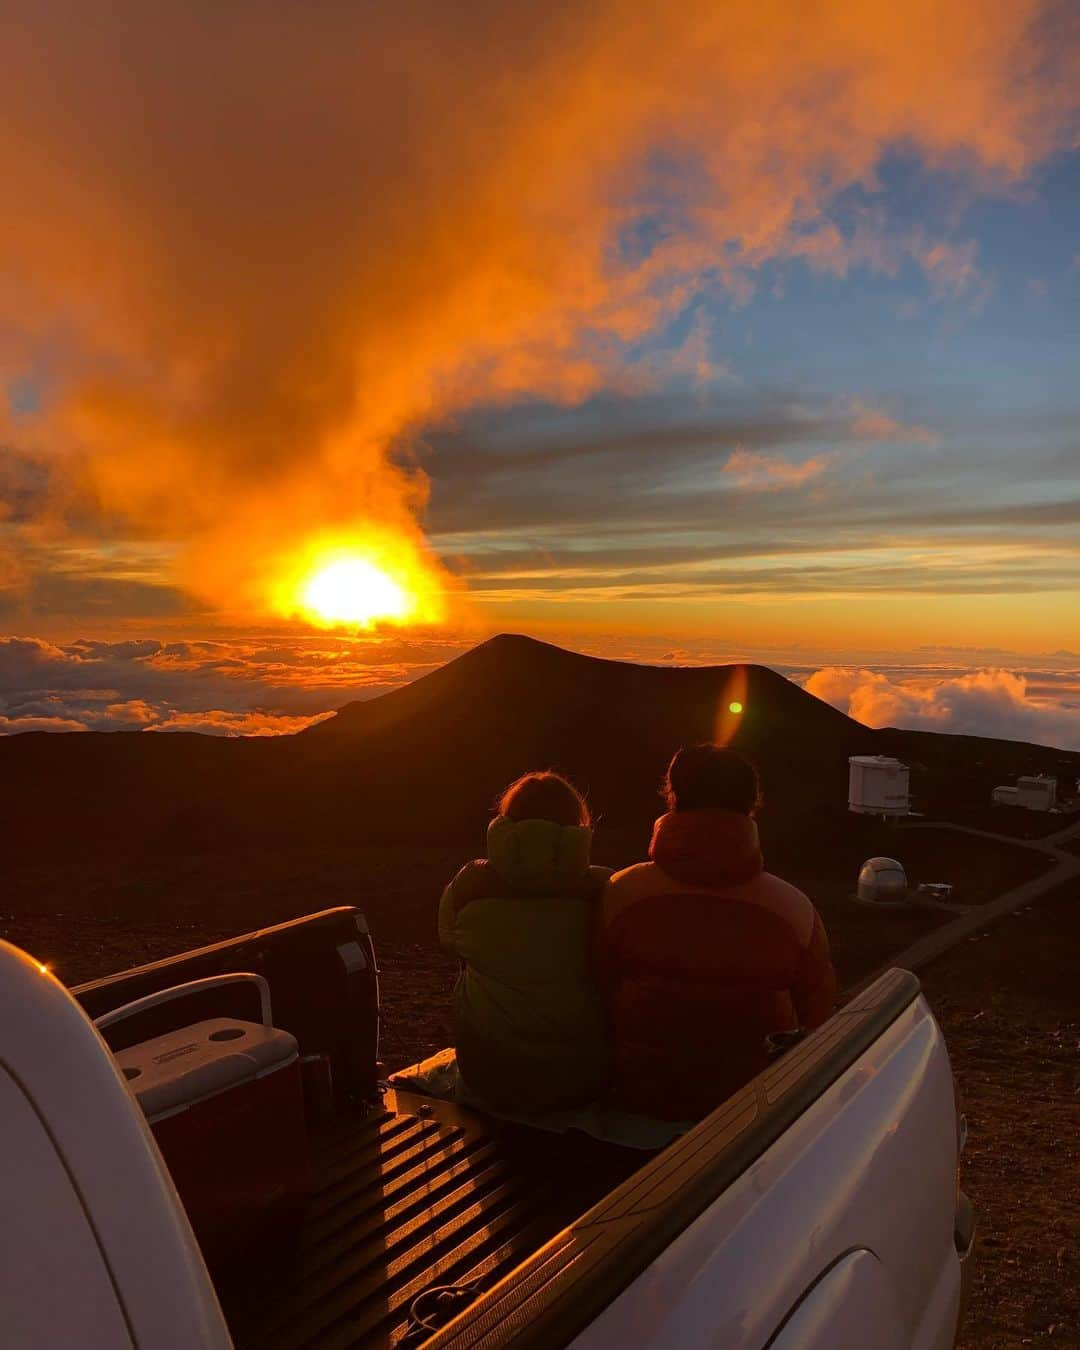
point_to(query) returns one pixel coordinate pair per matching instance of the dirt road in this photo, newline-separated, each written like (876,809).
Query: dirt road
(1066,869)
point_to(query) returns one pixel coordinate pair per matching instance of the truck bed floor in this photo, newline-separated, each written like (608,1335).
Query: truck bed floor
(402,1203)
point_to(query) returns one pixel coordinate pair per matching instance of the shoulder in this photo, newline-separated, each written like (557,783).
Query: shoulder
(647,879)
(788,902)
(628,876)
(475,881)
(642,881)
(478,880)
(472,870)
(643,878)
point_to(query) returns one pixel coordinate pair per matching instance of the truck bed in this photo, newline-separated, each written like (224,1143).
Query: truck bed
(407,1193)
(405,1200)
(412,1195)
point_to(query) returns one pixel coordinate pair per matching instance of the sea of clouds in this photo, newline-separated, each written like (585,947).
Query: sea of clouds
(274,685)
(1039,706)
(220,687)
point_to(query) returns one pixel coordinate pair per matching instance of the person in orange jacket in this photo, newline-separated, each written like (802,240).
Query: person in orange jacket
(705,953)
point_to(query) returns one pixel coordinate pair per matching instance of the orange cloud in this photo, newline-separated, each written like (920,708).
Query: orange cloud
(215,722)
(758,471)
(258,249)
(873,424)
(979,703)
(11,726)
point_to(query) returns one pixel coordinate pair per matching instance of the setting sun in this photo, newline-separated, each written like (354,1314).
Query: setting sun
(356,591)
(360,581)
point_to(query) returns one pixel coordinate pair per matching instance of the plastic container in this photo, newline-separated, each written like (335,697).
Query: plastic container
(224,1099)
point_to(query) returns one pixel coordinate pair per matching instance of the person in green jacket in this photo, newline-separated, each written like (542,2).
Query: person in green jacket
(528,1017)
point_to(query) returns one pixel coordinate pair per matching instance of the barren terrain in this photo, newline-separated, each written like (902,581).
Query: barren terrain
(1009,1004)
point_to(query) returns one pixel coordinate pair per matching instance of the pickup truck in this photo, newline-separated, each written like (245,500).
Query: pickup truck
(818,1208)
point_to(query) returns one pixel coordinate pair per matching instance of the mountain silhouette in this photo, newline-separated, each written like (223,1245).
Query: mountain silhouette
(510,676)
(425,762)
(513,704)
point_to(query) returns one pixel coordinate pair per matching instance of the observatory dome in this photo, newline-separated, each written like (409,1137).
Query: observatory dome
(882,879)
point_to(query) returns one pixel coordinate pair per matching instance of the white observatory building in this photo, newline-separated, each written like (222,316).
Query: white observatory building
(1036,792)
(878,786)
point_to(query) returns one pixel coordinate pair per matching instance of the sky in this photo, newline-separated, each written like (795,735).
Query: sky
(752,335)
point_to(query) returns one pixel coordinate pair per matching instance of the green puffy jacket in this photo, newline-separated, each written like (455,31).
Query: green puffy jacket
(529,1021)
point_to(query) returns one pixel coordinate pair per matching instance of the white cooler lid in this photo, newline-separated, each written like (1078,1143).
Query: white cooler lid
(172,1072)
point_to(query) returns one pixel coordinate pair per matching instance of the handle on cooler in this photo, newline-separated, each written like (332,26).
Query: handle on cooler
(121,1014)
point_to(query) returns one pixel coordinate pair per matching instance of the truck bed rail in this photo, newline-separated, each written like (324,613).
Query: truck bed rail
(565,1285)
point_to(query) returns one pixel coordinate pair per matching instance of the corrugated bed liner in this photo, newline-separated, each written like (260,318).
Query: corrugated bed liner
(405,1202)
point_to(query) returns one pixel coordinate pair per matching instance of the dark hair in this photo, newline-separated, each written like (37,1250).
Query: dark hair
(545,796)
(701,777)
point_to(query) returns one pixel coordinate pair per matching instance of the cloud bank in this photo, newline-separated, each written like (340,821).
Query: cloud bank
(249,253)
(280,683)
(220,688)
(987,702)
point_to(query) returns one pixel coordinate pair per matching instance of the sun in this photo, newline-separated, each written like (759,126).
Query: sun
(359,580)
(355,591)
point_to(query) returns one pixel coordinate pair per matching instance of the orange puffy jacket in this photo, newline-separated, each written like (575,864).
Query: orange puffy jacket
(704,954)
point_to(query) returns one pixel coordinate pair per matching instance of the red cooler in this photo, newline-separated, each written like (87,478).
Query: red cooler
(224,1099)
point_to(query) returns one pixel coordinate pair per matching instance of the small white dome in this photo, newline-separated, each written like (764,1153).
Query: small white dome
(882,879)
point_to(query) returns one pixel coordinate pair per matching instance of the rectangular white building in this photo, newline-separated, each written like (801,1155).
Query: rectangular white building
(878,785)
(1036,792)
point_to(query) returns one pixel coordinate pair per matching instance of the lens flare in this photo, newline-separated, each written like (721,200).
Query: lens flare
(731,705)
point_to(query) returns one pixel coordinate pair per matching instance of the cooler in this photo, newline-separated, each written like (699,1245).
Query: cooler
(224,1099)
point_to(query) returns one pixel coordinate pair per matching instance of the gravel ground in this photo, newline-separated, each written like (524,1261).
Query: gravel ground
(1009,1004)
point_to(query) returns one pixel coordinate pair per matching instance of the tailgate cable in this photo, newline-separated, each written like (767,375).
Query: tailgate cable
(447,1301)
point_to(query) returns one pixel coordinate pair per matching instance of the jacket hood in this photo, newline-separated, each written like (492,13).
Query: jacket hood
(707,848)
(538,856)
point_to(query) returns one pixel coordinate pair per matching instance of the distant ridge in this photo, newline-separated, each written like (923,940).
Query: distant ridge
(425,762)
(524,673)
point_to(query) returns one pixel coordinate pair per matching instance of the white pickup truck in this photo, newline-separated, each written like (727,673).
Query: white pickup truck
(301,1204)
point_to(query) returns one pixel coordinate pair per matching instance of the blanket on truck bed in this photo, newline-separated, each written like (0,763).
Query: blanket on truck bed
(439,1077)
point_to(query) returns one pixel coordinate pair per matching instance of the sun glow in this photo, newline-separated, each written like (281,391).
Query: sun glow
(355,591)
(361,582)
